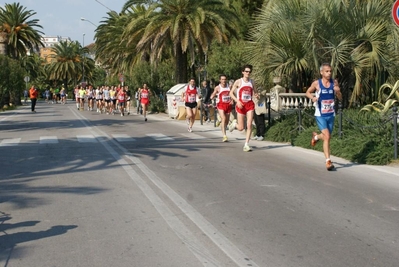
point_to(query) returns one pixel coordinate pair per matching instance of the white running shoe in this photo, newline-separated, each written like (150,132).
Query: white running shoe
(260,138)
(247,148)
(190,129)
(233,125)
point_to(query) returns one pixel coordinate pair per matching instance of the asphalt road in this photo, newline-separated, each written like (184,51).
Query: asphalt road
(79,188)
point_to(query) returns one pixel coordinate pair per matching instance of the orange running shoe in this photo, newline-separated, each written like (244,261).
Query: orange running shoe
(313,141)
(329,165)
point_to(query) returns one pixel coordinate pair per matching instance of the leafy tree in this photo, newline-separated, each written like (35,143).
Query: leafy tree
(11,81)
(186,27)
(17,31)
(291,38)
(68,62)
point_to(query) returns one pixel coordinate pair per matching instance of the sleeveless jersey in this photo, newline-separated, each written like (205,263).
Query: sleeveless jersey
(224,94)
(191,94)
(326,97)
(121,96)
(144,94)
(244,93)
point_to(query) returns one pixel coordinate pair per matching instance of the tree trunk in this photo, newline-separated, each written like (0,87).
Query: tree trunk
(3,43)
(181,65)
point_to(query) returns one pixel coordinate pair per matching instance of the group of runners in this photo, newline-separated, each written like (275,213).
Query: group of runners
(241,92)
(110,99)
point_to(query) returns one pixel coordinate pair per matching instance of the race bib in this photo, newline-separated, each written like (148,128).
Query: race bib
(226,99)
(246,97)
(144,95)
(327,106)
(191,98)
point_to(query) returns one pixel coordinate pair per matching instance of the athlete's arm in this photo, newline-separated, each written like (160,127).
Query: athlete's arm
(255,88)
(337,90)
(311,90)
(215,92)
(233,93)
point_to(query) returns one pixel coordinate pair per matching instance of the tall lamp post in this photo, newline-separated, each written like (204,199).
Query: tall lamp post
(83,19)
(83,62)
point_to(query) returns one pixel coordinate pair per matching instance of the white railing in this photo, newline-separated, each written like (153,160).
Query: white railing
(283,101)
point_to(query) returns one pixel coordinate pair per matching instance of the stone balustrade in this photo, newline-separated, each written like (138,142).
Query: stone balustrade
(279,100)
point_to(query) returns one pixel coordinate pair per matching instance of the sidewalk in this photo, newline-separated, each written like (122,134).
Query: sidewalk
(392,168)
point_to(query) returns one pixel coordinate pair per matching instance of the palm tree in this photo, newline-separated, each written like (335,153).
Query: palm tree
(291,38)
(184,26)
(111,48)
(68,62)
(17,31)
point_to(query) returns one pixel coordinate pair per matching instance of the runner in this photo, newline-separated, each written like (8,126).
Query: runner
(82,95)
(90,97)
(63,95)
(121,97)
(99,99)
(224,103)
(326,88)
(107,99)
(112,94)
(128,94)
(243,91)
(77,97)
(144,95)
(190,101)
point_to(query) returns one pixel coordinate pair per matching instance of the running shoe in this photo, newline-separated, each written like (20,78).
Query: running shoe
(255,137)
(225,139)
(233,125)
(313,141)
(145,119)
(218,123)
(329,165)
(247,148)
(260,138)
(190,129)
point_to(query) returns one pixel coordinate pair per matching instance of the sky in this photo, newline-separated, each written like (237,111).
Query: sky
(63,17)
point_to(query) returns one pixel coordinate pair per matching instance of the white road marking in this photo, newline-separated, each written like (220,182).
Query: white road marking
(189,239)
(193,136)
(160,137)
(48,140)
(86,138)
(10,142)
(123,138)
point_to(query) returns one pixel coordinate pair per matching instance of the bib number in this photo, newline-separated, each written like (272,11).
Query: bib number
(327,106)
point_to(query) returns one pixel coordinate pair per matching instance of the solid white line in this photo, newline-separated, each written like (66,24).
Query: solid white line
(195,246)
(218,239)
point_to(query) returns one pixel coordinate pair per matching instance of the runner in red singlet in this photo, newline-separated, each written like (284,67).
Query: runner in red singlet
(190,99)
(144,95)
(224,103)
(242,92)
(121,97)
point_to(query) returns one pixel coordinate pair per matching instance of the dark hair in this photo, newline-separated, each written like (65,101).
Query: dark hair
(222,75)
(247,66)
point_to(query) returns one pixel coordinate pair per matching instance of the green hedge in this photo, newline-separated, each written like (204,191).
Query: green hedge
(367,137)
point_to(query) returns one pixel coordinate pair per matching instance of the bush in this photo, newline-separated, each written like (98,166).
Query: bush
(156,105)
(367,137)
